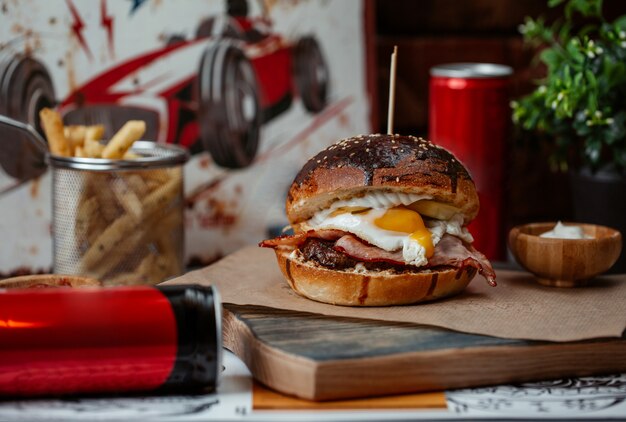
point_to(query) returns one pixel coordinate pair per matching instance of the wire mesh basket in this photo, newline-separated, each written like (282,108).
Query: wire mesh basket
(120,221)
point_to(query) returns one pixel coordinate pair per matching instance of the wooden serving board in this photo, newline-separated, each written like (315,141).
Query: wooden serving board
(318,357)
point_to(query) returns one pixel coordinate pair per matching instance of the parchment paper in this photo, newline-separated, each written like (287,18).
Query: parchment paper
(517,308)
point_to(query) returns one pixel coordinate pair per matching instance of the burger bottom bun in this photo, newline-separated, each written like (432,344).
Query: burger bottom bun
(370,288)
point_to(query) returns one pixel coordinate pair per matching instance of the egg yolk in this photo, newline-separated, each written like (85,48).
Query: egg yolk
(404,220)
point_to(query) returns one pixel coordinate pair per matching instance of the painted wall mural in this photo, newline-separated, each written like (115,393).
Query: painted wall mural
(251,88)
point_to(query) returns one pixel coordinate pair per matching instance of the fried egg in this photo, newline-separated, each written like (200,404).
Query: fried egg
(393,229)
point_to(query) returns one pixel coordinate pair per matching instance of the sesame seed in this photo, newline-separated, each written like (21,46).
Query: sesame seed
(319,161)
(352,154)
(393,142)
(397,179)
(367,150)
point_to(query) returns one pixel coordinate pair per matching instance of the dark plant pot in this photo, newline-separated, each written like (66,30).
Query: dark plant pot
(600,198)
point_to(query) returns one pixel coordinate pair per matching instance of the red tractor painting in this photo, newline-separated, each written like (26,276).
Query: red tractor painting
(243,75)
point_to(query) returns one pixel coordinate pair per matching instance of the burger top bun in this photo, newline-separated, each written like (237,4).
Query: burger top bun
(355,166)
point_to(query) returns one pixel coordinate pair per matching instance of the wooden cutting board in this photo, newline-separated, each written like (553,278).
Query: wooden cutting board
(318,357)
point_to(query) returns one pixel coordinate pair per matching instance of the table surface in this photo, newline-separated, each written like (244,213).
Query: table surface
(238,398)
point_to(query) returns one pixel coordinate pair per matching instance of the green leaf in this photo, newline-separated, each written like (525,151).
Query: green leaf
(567,76)
(620,23)
(577,79)
(551,58)
(591,78)
(587,8)
(554,3)
(565,31)
(573,48)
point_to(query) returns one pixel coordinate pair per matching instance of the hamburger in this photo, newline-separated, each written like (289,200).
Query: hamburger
(380,220)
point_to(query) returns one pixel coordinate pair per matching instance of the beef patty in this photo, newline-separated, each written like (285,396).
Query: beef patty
(322,252)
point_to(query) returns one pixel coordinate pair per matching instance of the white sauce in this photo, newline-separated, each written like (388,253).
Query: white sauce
(561,231)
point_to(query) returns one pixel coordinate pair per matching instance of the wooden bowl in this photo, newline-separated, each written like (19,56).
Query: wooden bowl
(48,280)
(565,262)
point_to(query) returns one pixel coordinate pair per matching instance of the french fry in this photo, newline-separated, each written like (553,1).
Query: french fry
(127,198)
(159,176)
(145,234)
(124,138)
(53,127)
(160,271)
(94,132)
(155,203)
(75,136)
(109,208)
(79,152)
(145,266)
(161,197)
(93,148)
(129,155)
(86,209)
(101,269)
(169,255)
(107,241)
(125,220)
(125,279)
(137,184)
(97,226)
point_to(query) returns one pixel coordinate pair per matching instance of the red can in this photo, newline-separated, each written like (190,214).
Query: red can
(469,115)
(57,341)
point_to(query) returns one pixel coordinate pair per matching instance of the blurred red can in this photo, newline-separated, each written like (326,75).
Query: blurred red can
(469,115)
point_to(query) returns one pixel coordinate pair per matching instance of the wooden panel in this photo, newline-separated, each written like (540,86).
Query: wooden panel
(318,357)
(473,17)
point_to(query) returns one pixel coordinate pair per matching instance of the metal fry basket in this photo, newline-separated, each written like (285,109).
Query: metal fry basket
(120,221)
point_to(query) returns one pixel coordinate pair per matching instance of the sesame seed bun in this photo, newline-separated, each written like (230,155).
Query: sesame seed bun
(395,163)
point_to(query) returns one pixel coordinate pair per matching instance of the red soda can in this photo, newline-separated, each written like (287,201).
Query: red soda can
(58,341)
(469,115)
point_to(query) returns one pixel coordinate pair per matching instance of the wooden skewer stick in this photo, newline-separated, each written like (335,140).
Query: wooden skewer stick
(392,90)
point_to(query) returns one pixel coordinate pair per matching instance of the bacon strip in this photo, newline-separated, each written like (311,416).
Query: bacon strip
(299,238)
(454,252)
(450,251)
(355,248)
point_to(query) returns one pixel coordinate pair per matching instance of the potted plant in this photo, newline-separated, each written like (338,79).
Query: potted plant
(580,106)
